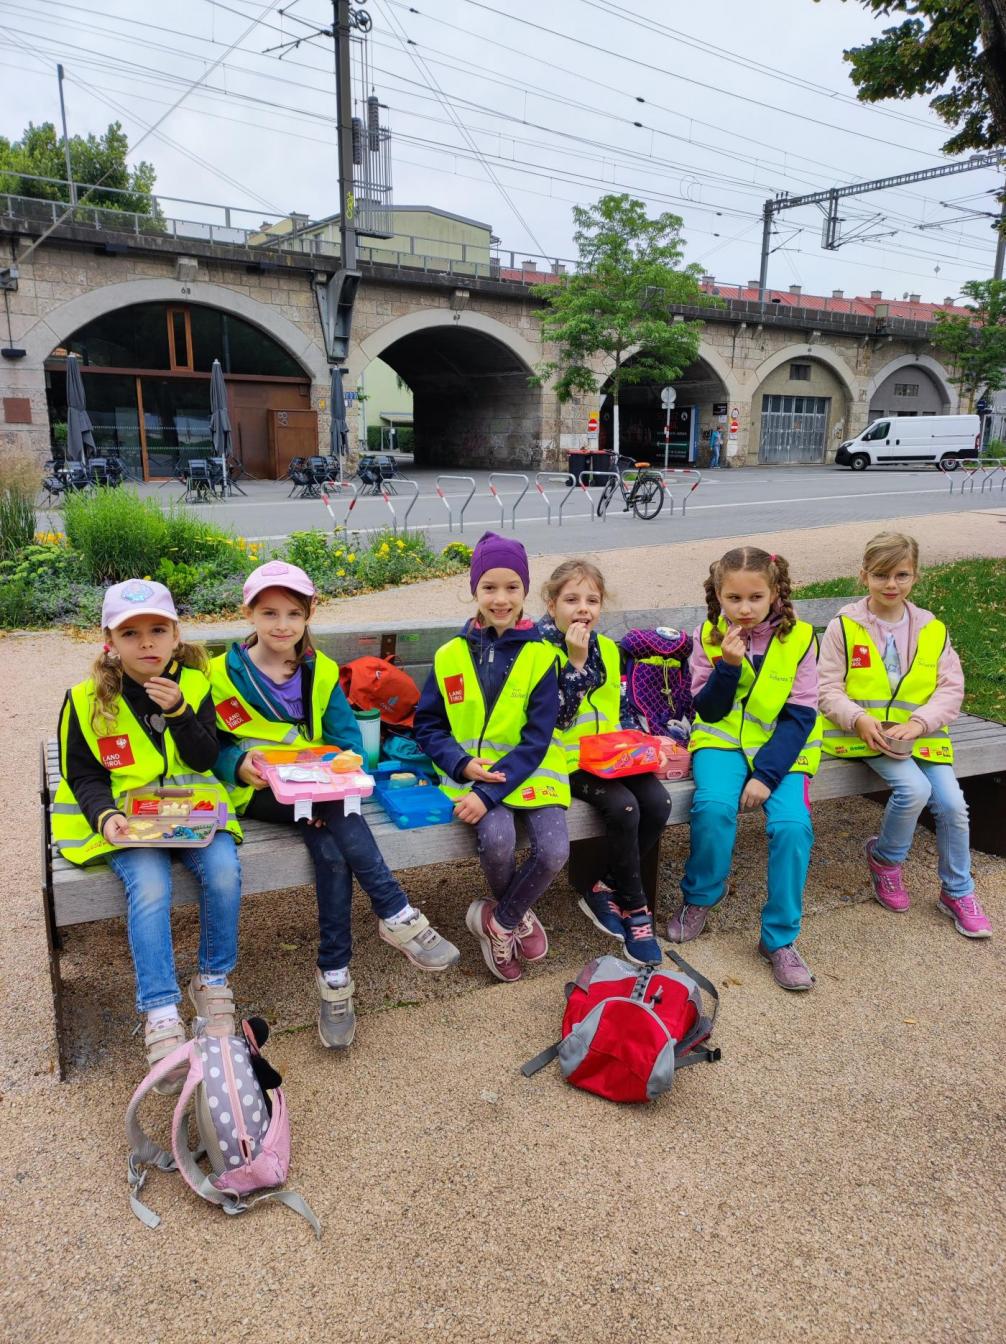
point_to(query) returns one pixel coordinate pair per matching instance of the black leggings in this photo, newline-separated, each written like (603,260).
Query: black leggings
(635,811)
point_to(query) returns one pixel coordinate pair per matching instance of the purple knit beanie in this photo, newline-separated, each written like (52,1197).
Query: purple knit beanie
(495,552)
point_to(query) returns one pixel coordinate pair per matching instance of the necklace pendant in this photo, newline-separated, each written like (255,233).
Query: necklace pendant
(158,723)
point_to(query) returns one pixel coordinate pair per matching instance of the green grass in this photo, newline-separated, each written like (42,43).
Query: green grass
(969,596)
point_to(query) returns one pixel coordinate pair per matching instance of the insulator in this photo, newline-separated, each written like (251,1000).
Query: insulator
(373,123)
(357,141)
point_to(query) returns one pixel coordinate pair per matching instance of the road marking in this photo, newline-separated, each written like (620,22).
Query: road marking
(816,499)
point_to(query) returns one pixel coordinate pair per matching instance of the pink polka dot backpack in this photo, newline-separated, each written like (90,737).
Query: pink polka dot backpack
(234,1096)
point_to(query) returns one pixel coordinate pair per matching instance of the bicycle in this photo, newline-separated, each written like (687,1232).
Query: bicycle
(642,490)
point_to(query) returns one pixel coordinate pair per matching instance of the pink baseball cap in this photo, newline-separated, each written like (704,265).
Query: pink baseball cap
(277,574)
(136,597)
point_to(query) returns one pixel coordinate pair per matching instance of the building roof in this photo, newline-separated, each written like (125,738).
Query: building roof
(401,209)
(862,305)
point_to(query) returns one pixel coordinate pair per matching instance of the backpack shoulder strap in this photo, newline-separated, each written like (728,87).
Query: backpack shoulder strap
(703,1054)
(143,1151)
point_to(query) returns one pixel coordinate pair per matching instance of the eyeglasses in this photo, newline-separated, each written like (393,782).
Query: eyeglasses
(902,580)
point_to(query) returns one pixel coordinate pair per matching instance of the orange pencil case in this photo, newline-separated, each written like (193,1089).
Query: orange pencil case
(626,752)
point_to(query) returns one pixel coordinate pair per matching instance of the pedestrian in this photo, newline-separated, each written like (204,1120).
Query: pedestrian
(715,444)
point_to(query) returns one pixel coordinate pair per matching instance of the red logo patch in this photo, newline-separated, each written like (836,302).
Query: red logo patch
(232,713)
(924,751)
(860,655)
(115,752)
(455,687)
(528,794)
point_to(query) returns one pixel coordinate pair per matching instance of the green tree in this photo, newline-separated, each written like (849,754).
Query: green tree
(978,342)
(953,48)
(93,159)
(618,302)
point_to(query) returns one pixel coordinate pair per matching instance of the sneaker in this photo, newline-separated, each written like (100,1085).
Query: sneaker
(688,923)
(640,944)
(499,946)
(336,1016)
(601,908)
(888,886)
(159,1042)
(968,916)
(788,967)
(214,1005)
(531,938)
(417,939)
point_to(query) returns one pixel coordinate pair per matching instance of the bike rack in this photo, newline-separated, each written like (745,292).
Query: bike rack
(386,496)
(990,467)
(664,472)
(562,478)
(468,480)
(508,476)
(596,511)
(338,488)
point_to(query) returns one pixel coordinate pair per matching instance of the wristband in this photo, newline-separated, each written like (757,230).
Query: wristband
(178,709)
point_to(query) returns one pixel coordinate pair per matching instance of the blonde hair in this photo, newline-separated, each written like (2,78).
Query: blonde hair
(304,647)
(572,569)
(888,549)
(106,674)
(751,560)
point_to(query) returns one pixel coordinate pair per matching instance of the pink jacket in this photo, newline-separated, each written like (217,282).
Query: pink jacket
(805,684)
(938,712)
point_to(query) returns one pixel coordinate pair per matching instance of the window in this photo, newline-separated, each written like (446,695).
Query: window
(880,431)
(799,373)
(906,389)
(179,338)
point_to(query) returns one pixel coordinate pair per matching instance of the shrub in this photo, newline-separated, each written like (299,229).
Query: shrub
(19,483)
(392,560)
(46,585)
(216,595)
(995,448)
(117,534)
(457,553)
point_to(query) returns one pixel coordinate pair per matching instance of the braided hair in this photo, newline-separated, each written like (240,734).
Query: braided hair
(751,560)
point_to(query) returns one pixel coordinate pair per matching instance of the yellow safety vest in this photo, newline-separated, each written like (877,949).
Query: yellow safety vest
(867,683)
(240,718)
(133,762)
(759,700)
(600,709)
(494,731)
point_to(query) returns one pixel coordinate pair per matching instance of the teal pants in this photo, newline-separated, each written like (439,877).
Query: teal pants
(720,777)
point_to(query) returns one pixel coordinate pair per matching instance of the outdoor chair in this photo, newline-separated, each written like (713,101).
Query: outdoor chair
(376,471)
(75,476)
(199,484)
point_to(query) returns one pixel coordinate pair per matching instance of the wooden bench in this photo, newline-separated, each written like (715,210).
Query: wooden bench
(274,858)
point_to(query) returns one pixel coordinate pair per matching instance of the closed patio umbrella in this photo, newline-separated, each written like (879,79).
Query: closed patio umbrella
(78,423)
(220,421)
(340,429)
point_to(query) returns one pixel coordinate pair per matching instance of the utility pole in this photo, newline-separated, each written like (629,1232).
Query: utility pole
(997,273)
(66,138)
(830,198)
(344,133)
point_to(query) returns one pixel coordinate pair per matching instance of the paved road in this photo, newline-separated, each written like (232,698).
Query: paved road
(752,499)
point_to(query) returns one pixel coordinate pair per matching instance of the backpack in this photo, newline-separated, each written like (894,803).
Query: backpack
(241,1119)
(375,683)
(628,1029)
(658,680)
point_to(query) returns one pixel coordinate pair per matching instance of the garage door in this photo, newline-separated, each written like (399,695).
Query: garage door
(793,429)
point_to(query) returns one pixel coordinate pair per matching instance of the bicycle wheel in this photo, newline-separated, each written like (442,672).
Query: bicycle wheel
(605,498)
(647,497)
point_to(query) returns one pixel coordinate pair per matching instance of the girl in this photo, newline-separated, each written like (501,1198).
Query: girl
(883,659)
(754,683)
(487,718)
(275,689)
(635,809)
(145,716)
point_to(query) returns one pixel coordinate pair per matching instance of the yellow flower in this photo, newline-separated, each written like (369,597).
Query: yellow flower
(338,553)
(400,544)
(385,549)
(340,573)
(351,557)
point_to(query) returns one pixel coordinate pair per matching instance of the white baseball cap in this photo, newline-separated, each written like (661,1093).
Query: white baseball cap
(136,597)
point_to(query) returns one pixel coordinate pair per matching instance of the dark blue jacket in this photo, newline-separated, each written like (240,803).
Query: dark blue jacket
(494,656)
(338,725)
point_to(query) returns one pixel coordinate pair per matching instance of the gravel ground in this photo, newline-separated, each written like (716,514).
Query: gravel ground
(838,1175)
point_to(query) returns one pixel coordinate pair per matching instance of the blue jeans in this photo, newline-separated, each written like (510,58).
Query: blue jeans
(340,848)
(720,777)
(146,876)
(714,455)
(516,889)
(914,785)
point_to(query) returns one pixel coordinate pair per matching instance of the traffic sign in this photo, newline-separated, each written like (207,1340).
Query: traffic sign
(592,423)
(734,412)
(734,426)
(668,397)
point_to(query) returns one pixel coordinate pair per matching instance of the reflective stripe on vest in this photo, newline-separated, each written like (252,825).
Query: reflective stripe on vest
(133,762)
(240,718)
(760,699)
(867,683)
(494,733)
(600,709)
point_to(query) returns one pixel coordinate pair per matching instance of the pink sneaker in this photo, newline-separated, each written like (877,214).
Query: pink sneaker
(531,938)
(968,916)
(888,886)
(499,946)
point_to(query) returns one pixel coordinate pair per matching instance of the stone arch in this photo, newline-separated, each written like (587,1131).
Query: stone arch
(805,351)
(69,317)
(423,319)
(933,367)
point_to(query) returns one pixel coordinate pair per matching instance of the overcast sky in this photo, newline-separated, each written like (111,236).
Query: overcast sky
(741,99)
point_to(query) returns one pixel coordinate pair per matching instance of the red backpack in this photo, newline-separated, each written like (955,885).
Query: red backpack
(375,683)
(628,1029)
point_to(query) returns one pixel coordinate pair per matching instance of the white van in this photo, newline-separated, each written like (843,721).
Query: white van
(940,439)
